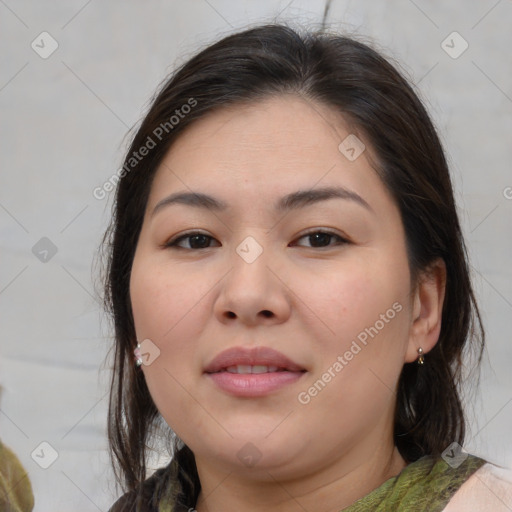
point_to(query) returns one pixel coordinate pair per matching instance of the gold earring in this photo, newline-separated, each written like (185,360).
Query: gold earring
(421,358)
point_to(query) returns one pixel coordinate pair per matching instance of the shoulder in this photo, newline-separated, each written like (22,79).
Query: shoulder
(489,489)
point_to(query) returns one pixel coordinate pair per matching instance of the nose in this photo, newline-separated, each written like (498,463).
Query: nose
(254,291)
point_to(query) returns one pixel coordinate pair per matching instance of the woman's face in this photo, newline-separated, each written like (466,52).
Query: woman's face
(316,327)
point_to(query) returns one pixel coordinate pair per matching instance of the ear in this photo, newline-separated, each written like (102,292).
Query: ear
(427,310)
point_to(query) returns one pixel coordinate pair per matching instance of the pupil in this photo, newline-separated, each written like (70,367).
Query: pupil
(320,237)
(202,238)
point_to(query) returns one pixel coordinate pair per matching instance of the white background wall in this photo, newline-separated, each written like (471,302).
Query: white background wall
(62,124)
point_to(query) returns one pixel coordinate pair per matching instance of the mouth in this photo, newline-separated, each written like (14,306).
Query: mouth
(244,369)
(253,372)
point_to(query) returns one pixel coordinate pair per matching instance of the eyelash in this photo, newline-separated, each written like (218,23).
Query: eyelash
(173,243)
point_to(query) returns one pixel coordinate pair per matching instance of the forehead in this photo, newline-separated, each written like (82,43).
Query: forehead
(264,150)
(287,127)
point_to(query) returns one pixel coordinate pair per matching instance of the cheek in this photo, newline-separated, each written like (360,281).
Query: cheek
(351,298)
(165,310)
(164,301)
(361,317)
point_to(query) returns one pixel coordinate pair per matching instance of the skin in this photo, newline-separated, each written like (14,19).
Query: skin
(308,302)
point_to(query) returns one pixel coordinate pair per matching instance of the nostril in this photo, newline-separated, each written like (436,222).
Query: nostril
(267,313)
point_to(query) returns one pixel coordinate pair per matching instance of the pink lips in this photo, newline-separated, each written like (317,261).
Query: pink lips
(280,371)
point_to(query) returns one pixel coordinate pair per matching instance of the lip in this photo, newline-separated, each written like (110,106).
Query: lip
(253,384)
(265,356)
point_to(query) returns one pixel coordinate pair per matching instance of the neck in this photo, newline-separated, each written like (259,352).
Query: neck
(329,490)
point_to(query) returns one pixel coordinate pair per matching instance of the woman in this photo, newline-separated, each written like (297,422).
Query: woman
(288,268)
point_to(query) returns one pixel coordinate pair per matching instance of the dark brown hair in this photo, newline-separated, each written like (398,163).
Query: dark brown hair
(368,92)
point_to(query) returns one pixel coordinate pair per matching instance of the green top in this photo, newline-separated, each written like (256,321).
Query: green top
(426,485)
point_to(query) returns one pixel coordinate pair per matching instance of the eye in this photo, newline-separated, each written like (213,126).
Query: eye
(196,240)
(320,239)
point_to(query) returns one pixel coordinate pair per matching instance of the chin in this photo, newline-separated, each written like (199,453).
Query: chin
(253,452)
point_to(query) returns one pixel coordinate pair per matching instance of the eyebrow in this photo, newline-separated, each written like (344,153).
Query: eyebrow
(292,201)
